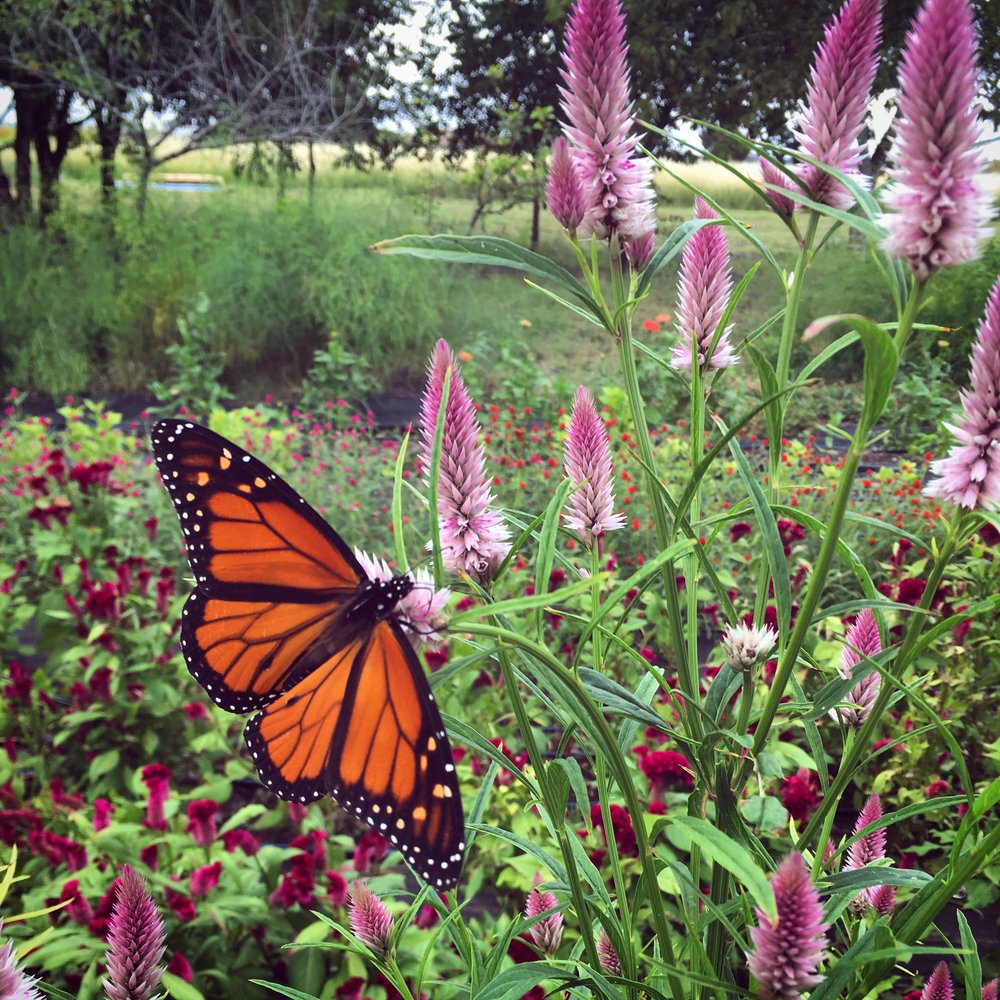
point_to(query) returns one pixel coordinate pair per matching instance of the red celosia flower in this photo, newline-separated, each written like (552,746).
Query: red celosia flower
(156,778)
(179,966)
(800,793)
(183,906)
(242,839)
(665,769)
(621,822)
(371,848)
(336,888)
(205,879)
(201,821)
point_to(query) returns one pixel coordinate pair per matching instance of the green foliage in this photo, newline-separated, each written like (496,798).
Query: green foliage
(194,384)
(337,375)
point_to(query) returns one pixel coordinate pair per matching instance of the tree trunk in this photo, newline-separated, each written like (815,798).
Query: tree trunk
(536,219)
(145,165)
(22,153)
(51,122)
(109,133)
(312,171)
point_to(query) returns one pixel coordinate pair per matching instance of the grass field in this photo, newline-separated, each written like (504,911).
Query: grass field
(282,271)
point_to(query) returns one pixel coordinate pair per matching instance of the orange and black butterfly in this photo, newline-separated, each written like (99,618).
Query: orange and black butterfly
(283,621)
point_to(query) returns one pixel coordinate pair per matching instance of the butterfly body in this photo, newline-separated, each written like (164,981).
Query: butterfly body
(284,622)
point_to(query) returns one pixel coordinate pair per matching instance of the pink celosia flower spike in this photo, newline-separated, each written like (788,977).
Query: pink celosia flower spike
(870,847)
(702,294)
(862,639)
(547,932)
(596,102)
(786,955)
(473,537)
(564,194)
(842,75)
(970,474)
(14,984)
(135,941)
(606,954)
(588,461)
(770,174)
(940,206)
(369,919)
(939,985)
(990,990)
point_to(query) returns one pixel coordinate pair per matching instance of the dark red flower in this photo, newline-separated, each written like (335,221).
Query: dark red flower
(621,822)
(738,530)
(665,770)
(201,821)
(156,778)
(242,839)
(336,888)
(371,848)
(180,967)
(183,906)
(205,879)
(800,794)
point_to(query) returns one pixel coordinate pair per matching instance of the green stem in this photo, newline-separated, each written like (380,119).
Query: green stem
(687,677)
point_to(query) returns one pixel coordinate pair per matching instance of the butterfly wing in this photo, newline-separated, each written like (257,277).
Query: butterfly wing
(270,571)
(346,711)
(364,727)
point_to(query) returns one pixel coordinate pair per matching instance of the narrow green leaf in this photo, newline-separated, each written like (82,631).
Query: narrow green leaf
(487,250)
(735,858)
(669,249)
(179,988)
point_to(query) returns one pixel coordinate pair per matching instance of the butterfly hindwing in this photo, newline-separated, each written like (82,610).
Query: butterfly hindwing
(243,653)
(364,728)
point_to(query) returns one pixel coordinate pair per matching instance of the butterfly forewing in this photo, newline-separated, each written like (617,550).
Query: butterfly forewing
(249,535)
(284,619)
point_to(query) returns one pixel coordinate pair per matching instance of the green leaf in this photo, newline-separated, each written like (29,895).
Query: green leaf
(103,763)
(515,982)
(177,987)
(735,858)
(613,695)
(487,250)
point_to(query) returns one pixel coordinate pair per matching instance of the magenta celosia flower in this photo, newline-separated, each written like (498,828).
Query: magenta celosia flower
(837,97)
(596,102)
(939,985)
(423,607)
(547,932)
(205,879)
(606,954)
(564,194)
(135,941)
(746,646)
(102,814)
(156,778)
(970,473)
(474,539)
(588,462)
(702,294)
(940,206)
(14,984)
(862,639)
(870,847)
(370,921)
(201,821)
(786,954)
(990,990)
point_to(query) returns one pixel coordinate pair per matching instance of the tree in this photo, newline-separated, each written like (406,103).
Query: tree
(504,76)
(175,75)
